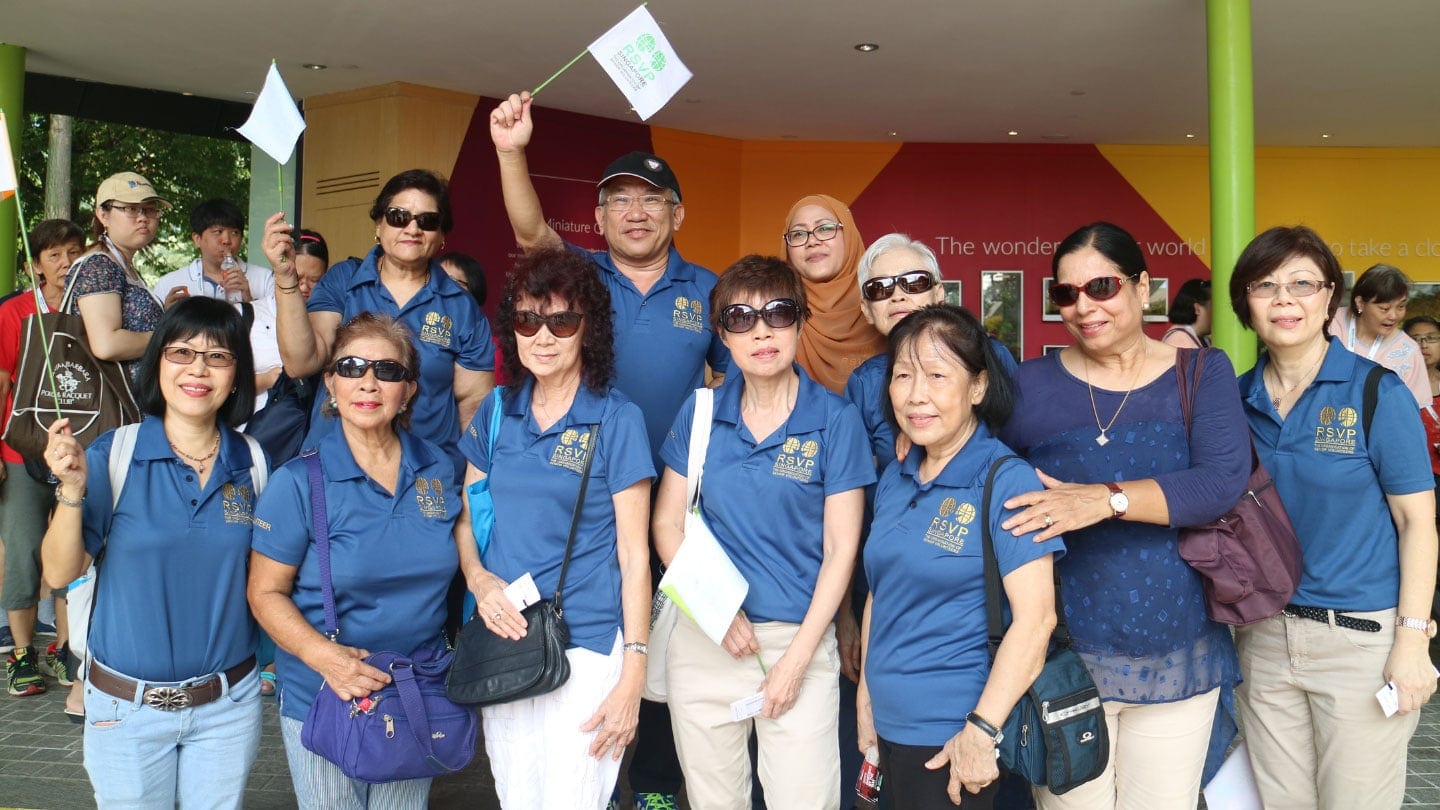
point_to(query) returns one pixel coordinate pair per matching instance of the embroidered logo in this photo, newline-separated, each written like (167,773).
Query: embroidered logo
(950,526)
(238,504)
(571,450)
(430,497)
(1336,432)
(689,314)
(438,329)
(796,461)
(75,388)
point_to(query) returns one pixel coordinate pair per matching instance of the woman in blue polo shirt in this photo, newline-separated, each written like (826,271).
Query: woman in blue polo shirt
(563,749)
(400,278)
(172,643)
(392,500)
(783,492)
(1355,479)
(928,691)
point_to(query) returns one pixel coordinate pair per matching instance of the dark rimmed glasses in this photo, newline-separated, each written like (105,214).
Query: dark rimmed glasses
(135,211)
(401,218)
(353,368)
(822,233)
(1100,288)
(780,313)
(913,282)
(560,324)
(184,356)
(1300,288)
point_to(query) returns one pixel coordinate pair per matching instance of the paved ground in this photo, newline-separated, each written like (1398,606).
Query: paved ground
(40,764)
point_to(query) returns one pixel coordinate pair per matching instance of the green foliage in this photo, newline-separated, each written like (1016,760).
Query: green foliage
(185,169)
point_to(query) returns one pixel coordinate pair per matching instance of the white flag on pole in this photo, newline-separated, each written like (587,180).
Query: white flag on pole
(639,59)
(275,122)
(8,182)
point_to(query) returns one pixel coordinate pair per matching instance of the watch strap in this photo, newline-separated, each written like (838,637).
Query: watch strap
(995,734)
(1425,626)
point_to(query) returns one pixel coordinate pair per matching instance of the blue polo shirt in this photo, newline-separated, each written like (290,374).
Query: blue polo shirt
(1334,478)
(170,598)
(926,663)
(765,500)
(663,339)
(535,478)
(448,326)
(391,556)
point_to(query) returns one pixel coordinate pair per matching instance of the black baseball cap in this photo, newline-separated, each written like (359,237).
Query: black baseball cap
(644,166)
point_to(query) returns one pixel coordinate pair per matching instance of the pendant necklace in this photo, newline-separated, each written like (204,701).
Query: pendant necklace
(1285,390)
(1103,439)
(200,462)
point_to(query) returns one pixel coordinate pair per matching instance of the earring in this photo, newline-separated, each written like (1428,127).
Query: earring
(442,244)
(377,238)
(403,406)
(333,403)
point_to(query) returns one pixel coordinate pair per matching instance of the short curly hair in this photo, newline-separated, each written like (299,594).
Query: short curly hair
(571,278)
(380,327)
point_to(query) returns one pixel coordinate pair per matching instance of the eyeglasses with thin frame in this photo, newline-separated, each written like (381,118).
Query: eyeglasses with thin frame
(1299,288)
(912,282)
(1426,340)
(353,368)
(823,232)
(135,211)
(184,356)
(780,313)
(1100,288)
(401,218)
(561,324)
(650,203)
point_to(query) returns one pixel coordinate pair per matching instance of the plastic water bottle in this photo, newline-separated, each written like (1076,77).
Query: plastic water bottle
(228,266)
(867,787)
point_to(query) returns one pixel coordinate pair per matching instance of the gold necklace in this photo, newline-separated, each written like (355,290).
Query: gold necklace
(1288,390)
(1103,439)
(199,462)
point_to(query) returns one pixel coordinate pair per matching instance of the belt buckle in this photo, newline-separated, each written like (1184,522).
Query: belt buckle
(167,698)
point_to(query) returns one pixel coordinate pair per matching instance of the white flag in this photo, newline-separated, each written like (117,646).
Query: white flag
(641,62)
(8,184)
(274,123)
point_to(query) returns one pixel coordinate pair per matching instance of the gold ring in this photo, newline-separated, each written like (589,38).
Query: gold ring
(1048,521)
(496,617)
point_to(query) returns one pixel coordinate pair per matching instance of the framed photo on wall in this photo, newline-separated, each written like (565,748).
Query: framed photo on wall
(1424,299)
(1349,285)
(1002,307)
(1157,308)
(1051,348)
(1048,310)
(952,293)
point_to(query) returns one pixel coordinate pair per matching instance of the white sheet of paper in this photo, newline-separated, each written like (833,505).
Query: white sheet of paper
(522,593)
(747,707)
(1233,787)
(1389,699)
(703,582)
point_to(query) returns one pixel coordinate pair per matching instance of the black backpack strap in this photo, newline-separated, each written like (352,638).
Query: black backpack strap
(247,316)
(1372,397)
(994,614)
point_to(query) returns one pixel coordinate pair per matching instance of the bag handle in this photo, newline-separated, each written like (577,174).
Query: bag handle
(994,615)
(575,520)
(699,445)
(315,472)
(402,672)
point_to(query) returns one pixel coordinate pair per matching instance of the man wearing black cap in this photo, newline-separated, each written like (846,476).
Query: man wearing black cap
(663,339)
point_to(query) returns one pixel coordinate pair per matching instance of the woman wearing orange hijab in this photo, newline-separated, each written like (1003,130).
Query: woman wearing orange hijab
(824,246)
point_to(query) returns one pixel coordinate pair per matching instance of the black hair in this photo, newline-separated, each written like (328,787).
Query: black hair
(1182,309)
(1274,247)
(216,211)
(50,233)
(473,270)
(1410,322)
(1109,240)
(311,243)
(1379,284)
(961,334)
(573,279)
(421,180)
(204,317)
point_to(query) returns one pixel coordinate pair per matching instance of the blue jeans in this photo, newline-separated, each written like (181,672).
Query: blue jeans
(142,758)
(321,785)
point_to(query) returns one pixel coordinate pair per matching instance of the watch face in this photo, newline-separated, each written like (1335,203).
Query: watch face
(1120,502)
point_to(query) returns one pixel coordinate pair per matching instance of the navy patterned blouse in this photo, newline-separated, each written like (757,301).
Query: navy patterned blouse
(100,273)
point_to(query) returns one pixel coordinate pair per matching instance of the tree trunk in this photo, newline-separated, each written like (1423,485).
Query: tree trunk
(57,169)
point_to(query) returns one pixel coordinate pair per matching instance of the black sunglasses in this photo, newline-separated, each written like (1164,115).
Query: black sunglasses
(780,313)
(561,324)
(1100,288)
(400,218)
(913,282)
(385,370)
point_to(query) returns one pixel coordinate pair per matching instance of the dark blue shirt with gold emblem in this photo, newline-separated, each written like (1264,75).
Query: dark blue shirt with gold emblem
(392,556)
(449,328)
(535,479)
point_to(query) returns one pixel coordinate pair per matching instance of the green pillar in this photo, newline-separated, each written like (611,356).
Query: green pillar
(1232,164)
(12,101)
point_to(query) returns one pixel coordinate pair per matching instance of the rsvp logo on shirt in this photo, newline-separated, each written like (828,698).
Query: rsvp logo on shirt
(430,496)
(571,451)
(1336,432)
(796,460)
(689,314)
(438,329)
(949,528)
(238,503)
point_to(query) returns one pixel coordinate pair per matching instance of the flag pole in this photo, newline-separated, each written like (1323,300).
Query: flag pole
(568,65)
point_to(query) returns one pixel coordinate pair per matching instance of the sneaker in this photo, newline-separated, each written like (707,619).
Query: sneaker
(7,641)
(44,629)
(656,801)
(23,676)
(57,663)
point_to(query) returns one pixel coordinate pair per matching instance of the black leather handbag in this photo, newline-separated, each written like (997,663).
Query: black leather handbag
(490,669)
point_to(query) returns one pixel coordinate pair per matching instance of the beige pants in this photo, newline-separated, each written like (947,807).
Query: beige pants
(1157,756)
(1317,736)
(798,761)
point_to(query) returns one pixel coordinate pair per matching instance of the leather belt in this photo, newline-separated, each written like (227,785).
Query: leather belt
(1323,615)
(169,698)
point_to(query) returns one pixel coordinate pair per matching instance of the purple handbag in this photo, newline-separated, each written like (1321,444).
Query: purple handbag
(407,730)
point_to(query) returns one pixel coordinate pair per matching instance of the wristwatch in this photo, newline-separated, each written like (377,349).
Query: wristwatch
(1426,626)
(1119,501)
(637,646)
(996,735)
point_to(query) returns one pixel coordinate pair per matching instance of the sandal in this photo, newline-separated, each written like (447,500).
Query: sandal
(76,716)
(267,683)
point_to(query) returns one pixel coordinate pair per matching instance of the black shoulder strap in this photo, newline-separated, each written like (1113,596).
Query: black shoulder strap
(1372,397)
(994,614)
(575,520)
(247,315)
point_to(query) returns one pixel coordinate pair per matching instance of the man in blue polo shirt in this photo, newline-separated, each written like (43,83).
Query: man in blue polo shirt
(663,341)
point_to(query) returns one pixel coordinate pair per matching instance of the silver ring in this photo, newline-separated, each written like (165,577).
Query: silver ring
(1049,521)
(497,615)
